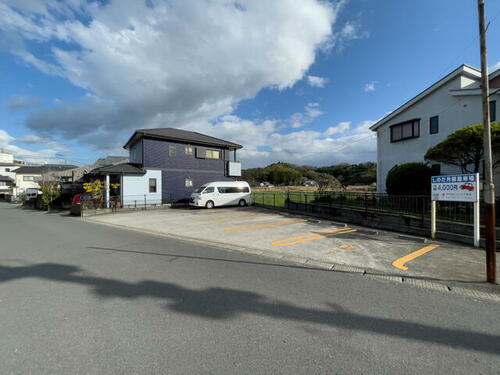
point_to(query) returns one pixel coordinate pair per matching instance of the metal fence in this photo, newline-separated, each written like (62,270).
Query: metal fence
(416,207)
(142,201)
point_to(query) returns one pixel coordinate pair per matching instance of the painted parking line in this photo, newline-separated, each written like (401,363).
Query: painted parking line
(311,237)
(242,217)
(347,247)
(267,225)
(217,213)
(400,263)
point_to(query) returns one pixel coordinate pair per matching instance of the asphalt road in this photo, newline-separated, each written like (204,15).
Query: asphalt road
(80,298)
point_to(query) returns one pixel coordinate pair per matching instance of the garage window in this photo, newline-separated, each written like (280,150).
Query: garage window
(152,185)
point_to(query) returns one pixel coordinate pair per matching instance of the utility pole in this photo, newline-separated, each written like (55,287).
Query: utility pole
(489,187)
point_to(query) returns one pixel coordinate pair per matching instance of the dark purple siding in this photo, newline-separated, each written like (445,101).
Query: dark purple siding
(175,169)
(173,183)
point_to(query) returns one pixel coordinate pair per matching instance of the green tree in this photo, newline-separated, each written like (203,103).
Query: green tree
(50,192)
(284,174)
(410,179)
(464,148)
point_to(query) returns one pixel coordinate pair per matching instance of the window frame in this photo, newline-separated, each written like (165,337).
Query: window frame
(415,130)
(207,151)
(436,130)
(493,110)
(155,185)
(31,179)
(172,150)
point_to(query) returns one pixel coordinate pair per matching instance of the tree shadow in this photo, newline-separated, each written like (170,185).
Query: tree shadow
(223,303)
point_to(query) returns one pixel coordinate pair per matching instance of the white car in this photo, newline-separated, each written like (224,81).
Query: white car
(224,193)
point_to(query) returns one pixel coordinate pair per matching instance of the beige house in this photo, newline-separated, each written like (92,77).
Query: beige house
(27,177)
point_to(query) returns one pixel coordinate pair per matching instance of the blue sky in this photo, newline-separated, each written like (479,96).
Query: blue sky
(298,81)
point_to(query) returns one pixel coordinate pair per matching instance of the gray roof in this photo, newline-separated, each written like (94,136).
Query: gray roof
(41,169)
(6,179)
(180,136)
(125,168)
(111,160)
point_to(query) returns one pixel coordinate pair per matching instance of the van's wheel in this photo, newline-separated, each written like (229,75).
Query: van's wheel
(209,204)
(242,203)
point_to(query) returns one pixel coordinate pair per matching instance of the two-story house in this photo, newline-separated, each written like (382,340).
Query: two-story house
(450,104)
(29,176)
(168,164)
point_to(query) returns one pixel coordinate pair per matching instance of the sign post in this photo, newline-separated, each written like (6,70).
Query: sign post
(456,188)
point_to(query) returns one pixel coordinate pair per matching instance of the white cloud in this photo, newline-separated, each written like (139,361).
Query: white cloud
(37,140)
(340,128)
(169,63)
(185,64)
(311,111)
(370,86)
(45,155)
(265,145)
(22,102)
(315,81)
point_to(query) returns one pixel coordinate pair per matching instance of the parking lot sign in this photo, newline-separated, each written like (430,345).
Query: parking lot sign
(457,188)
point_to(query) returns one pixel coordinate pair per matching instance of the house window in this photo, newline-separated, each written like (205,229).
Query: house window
(405,130)
(188,182)
(207,154)
(212,154)
(172,150)
(152,185)
(7,169)
(434,125)
(493,110)
(436,169)
(189,150)
(29,178)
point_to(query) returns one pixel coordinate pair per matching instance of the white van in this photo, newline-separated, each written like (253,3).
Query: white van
(224,193)
(32,193)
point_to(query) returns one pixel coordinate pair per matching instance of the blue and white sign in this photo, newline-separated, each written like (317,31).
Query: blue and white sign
(458,188)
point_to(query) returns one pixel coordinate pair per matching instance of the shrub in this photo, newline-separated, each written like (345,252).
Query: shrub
(410,179)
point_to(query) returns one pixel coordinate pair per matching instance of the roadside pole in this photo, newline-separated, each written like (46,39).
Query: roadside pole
(433,219)
(489,187)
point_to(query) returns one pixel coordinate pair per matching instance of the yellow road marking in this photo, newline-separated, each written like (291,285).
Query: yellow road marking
(333,251)
(347,247)
(311,237)
(259,226)
(241,218)
(215,214)
(400,263)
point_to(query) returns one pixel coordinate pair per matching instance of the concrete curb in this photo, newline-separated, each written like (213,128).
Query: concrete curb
(384,276)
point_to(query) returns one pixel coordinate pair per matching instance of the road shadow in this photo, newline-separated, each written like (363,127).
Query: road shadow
(223,303)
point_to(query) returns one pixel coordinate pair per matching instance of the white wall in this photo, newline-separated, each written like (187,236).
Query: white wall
(134,188)
(6,157)
(454,112)
(11,173)
(22,185)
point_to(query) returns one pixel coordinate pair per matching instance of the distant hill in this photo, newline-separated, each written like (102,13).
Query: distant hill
(286,174)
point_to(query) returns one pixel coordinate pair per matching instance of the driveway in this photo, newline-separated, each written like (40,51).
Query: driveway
(299,238)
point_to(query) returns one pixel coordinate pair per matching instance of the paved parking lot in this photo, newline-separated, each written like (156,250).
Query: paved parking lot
(298,237)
